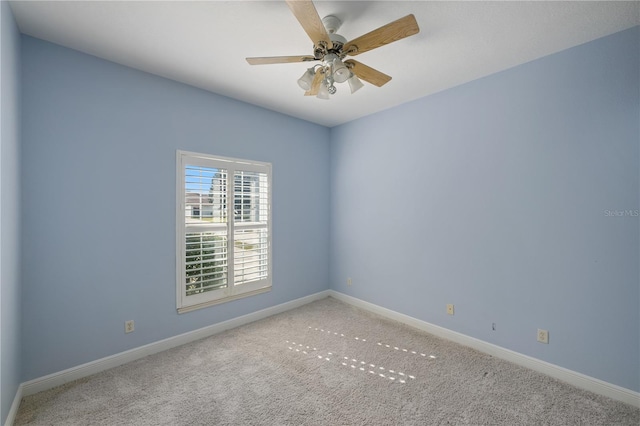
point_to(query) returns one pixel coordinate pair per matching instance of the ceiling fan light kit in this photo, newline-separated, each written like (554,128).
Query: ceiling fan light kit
(331,48)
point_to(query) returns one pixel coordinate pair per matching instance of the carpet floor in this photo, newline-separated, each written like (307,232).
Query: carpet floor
(326,363)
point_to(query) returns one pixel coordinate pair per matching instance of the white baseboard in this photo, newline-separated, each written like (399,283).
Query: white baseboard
(13,411)
(572,377)
(56,379)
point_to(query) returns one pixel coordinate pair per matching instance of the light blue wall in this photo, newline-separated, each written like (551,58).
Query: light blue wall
(493,196)
(99,154)
(10,296)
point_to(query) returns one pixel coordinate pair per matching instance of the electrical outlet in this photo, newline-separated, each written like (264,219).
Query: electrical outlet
(349,282)
(543,336)
(450,309)
(128,326)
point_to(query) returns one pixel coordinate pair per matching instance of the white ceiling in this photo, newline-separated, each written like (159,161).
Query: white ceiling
(204,43)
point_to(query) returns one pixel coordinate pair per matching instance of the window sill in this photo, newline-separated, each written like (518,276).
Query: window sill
(190,308)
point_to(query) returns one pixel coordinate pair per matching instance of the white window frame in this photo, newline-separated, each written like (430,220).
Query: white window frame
(232,291)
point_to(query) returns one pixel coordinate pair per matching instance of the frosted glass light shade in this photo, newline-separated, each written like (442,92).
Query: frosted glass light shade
(355,84)
(323,92)
(307,79)
(340,72)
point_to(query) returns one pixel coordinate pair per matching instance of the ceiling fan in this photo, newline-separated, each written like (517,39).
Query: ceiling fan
(331,48)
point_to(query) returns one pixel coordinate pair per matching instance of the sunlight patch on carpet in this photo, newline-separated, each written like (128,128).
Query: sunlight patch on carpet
(381,344)
(353,363)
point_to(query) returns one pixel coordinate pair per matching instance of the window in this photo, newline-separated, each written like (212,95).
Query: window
(223,229)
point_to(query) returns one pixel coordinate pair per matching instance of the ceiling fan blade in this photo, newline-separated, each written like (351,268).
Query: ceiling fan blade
(367,73)
(315,84)
(394,31)
(306,13)
(279,59)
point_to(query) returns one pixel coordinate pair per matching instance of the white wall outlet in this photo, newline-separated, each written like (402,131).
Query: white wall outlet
(128,326)
(349,282)
(543,336)
(450,309)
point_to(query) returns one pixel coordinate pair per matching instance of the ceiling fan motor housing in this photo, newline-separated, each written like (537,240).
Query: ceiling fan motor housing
(331,24)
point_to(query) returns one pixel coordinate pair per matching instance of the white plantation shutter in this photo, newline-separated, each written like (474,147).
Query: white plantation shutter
(205,226)
(223,229)
(251,226)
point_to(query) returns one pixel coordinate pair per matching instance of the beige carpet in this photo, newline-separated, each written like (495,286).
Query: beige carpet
(326,363)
